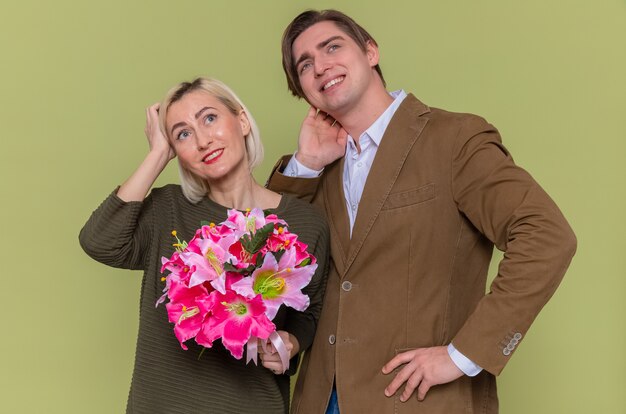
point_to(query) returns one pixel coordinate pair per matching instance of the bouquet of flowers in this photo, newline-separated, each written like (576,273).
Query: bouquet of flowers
(229,281)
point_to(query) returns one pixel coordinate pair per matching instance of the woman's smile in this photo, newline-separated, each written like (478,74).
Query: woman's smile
(212,156)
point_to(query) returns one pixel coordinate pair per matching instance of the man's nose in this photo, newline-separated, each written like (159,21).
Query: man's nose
(321,66)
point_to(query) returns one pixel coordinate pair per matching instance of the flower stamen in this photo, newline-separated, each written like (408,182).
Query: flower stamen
(179,245)
(238,308)
(214,261)
(188,313)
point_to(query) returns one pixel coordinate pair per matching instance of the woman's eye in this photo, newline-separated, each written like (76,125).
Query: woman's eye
(182,135)
(210,118)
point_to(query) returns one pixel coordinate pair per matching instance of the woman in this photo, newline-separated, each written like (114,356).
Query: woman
(216,140)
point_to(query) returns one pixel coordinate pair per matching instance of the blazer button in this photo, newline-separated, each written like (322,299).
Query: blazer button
(517,336)
(331,339)
(506,352)
(347,286)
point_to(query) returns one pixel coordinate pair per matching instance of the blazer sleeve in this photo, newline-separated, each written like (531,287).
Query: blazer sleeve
(118,233)
(303,188)
(506,204)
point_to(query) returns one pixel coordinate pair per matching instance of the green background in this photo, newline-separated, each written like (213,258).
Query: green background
(76,77)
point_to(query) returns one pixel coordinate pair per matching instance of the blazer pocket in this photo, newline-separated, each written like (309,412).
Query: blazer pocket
(410,197)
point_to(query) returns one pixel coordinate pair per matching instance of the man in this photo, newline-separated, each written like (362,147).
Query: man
(416,198)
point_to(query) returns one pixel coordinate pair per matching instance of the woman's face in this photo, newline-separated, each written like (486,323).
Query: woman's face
(208,139)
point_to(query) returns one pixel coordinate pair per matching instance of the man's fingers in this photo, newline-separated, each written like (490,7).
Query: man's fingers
(425,367)
(396,361)
(312,113)
(400,378)
(324,118)
(413,380)
(422,390)
(342,136)
(321,115)
(410,387)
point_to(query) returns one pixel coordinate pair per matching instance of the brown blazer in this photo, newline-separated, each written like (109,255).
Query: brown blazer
(441,193)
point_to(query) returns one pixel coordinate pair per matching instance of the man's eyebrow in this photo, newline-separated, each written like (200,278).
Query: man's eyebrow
(320,45)
(302,58)
(323,44)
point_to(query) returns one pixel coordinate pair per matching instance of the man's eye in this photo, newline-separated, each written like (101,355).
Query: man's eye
(304,67)
(332,48)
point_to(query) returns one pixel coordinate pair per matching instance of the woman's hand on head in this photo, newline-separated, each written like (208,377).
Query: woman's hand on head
(157,141)
(136,187)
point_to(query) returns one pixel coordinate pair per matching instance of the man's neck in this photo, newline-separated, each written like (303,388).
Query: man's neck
(365,113)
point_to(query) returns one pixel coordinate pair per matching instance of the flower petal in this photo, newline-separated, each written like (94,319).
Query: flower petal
(236,334)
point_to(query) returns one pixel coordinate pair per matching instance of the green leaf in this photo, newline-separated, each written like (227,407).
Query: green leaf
(259,260)
(254,244)
(228,267)
(304,262)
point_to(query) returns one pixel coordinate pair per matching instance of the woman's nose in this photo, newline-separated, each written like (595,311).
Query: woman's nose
(203,140)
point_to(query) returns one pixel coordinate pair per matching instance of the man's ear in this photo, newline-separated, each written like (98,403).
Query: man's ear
(371,50)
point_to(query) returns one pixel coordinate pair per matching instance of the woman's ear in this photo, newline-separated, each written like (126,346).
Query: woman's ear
(244,122)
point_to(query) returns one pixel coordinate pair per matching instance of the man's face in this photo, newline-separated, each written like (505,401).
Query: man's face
(333,71)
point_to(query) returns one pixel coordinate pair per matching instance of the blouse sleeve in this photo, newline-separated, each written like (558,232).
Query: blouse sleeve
(118,233)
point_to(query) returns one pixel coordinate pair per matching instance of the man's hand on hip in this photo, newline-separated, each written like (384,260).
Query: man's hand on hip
(423,368)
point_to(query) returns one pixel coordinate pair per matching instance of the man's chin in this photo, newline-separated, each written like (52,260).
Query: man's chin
(330,105)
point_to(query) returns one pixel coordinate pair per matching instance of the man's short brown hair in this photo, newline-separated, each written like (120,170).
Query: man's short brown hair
(307,19)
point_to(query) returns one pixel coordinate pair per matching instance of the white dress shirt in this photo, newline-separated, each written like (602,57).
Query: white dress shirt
(357,166)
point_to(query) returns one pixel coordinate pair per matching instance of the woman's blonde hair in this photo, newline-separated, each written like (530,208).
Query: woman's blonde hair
(194,187)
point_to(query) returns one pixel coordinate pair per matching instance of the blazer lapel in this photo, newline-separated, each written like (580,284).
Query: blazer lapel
(336,212)
(401,133)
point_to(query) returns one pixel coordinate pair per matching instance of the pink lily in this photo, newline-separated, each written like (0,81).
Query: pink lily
(179,271)
(215,232)
(175,265)
(243,258)
(187,309)
(250,221)
(235,319)
(302,254)
(278,283)
(207,259)
(280,240)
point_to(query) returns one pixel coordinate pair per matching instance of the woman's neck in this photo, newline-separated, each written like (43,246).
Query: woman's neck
(242,194)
